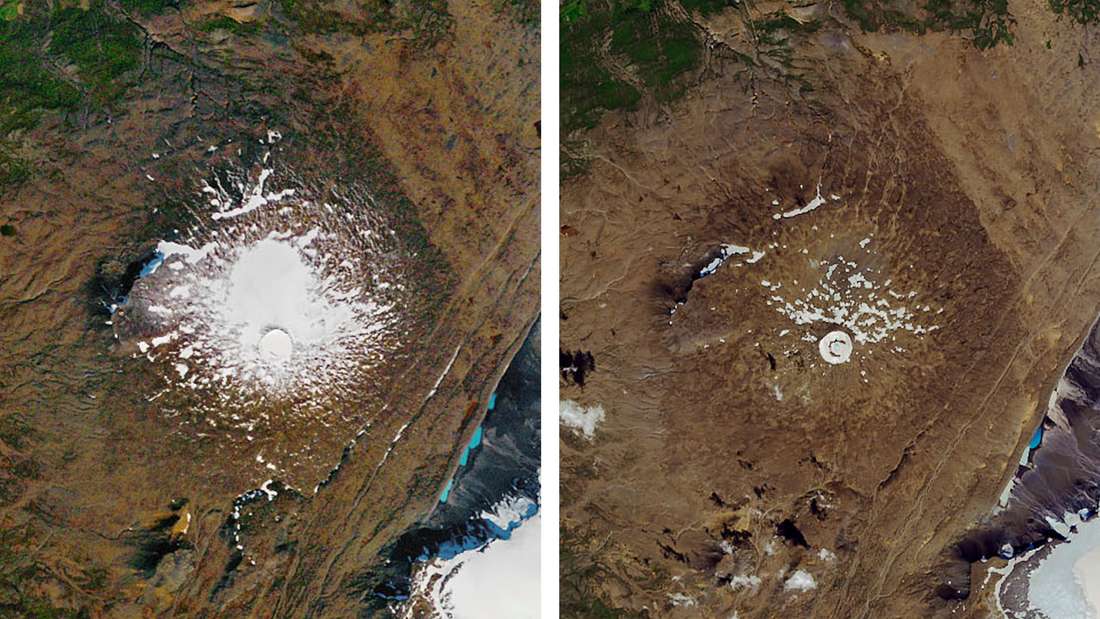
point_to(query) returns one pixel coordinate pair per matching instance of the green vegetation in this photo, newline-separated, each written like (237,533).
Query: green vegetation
(579,572)
(988,22)
(97,578)
(14,430)
(427,20)
(572,11)
(587,86)
(103,48)
(13,170)
(314,19)
(7,230)
(26,468)
(614,53)
(26,86)
(659,47)
(1083,12)
(873,16)
(650,51)
(772,39)
(9,9)
(59,61)
(148,7)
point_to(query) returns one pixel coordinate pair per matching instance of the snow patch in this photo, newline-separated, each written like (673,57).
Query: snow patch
(680,600)
(850,296)
(725,253)
(799,581)
(741,581)
(581,418)
(510,511)
(812,205)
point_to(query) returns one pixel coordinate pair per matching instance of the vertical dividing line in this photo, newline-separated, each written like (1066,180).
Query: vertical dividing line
(550,312)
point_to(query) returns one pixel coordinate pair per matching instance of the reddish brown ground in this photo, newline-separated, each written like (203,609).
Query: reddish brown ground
(972,172)
(101,475)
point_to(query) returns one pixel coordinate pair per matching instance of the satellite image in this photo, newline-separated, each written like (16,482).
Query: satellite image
(269,308)
(829,292)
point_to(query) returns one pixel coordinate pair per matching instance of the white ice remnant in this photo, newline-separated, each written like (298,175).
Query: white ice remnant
(813,204)
(851,297)
(835,347)
(681,600)
(742,581)
(725,253)
(253,199)
(1064,584)
(800,580)
(510,511)
(581,418)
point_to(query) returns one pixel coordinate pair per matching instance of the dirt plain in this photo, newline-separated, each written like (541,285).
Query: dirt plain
(436,111)
(963,182)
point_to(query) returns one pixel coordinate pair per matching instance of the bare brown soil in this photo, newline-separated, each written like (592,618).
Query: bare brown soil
(973,177)
(452,124)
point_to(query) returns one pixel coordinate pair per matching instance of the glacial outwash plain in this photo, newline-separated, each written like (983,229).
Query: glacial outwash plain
(829,280)
(262,267)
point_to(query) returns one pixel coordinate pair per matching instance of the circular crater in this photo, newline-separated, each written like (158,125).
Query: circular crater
(276,345)
(835,347)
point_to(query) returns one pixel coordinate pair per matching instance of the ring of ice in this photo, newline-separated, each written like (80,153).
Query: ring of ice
(835,347)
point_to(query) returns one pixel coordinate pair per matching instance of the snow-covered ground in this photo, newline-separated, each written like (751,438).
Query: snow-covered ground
(499,580)
(1066,583)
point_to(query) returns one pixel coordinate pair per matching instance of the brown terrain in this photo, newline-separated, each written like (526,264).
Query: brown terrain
(102,512)
(964,184)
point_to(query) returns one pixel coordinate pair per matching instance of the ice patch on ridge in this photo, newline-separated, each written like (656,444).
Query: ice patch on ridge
(742,581)
(726,252)
(813,204)
(254,198)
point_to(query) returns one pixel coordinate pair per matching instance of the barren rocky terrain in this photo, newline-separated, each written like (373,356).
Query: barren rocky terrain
(815,167)
(114,114)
